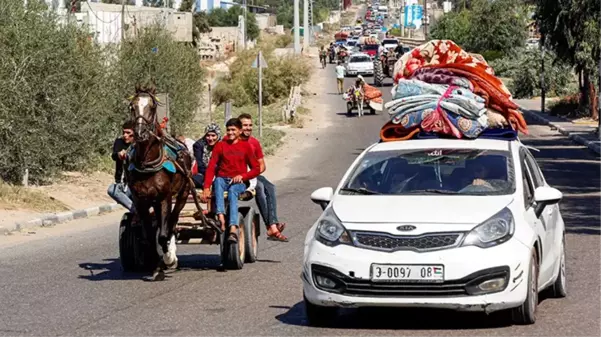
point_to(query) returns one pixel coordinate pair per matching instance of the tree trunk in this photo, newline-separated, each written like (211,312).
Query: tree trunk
(594,102)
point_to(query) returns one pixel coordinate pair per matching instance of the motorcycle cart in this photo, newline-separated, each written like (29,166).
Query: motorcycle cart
(137,253)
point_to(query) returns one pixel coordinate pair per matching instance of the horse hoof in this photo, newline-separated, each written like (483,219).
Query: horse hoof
(158,276)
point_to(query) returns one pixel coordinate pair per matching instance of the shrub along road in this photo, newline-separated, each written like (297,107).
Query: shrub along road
(71,284)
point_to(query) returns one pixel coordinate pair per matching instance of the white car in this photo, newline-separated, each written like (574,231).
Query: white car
(469,225)
(359,64)
(390,43)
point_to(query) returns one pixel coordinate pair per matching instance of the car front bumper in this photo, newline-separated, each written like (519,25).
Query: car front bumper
(464,267)
(360,72)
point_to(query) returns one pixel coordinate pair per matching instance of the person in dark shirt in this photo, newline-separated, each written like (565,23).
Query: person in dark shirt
(119,190)
(229,165)
(202,152)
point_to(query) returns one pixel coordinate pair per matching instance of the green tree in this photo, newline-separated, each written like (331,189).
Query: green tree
(220,17)
(571,29)
(495,27)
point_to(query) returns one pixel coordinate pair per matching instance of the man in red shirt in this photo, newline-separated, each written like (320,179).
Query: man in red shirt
(266,198)
(229,165)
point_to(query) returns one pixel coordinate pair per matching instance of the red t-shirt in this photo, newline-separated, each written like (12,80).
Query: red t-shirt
(256,146)
(232,159)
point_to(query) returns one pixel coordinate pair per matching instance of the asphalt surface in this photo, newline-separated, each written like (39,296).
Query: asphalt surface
(71,284)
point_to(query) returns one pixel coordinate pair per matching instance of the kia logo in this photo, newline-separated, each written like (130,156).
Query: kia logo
(406,228)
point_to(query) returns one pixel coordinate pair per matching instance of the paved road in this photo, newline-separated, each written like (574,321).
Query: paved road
(72,284)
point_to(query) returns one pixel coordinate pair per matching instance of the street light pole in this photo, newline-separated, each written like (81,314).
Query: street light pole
(296,28)
(245,25)
(306,35)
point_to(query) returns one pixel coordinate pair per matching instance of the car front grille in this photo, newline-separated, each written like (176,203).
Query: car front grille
(352,286)
(389,242)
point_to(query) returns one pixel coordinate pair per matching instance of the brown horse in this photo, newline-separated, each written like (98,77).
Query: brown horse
(151,182)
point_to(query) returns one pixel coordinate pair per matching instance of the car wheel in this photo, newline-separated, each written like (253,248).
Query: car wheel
(559,289)
(525,314)
(319,316)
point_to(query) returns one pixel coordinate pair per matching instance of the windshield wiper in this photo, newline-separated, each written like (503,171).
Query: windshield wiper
(434,191)
(361,190)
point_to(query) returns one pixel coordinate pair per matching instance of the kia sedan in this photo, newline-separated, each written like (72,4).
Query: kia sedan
(468,225)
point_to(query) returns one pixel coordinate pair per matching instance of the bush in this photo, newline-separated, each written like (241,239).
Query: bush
(173,67)
(281,74)
(53,104)
(63,96)
(524,69)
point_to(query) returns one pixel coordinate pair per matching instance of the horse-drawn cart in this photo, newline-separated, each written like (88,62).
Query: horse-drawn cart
(139,254)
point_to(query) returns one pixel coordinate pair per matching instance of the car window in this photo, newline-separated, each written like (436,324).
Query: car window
(359,59)
(370,47)
(528,186)
(537,175)
(427,171)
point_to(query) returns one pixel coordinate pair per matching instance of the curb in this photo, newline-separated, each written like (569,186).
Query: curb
(57,218)
(576,138)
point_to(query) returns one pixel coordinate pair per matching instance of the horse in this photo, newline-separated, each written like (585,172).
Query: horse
(158,168)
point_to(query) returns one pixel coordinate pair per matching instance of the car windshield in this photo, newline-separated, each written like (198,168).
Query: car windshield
(359,59)
(433,171)
(391,41)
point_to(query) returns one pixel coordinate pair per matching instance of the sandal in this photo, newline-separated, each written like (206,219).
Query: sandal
(280,226)
(233,237)
(277,236)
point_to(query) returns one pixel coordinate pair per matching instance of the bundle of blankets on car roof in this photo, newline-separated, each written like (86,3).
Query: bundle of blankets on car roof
(440,88)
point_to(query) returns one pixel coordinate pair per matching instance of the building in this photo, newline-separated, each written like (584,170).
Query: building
(209,5)
(105,22)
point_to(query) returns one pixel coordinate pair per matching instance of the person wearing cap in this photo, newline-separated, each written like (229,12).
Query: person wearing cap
(203,148)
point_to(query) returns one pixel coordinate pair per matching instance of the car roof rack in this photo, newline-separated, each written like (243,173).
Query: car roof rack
(507,134)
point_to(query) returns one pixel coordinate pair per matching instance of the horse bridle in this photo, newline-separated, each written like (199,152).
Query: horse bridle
(148,124)
(151,127)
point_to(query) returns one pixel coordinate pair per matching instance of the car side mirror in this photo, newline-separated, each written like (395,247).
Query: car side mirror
(545,196)
(322,196)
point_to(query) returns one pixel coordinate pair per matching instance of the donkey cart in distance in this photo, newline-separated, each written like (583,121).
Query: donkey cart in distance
(138,254)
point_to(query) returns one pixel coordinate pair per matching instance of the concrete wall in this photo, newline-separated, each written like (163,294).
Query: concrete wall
(104,21)
(265,21)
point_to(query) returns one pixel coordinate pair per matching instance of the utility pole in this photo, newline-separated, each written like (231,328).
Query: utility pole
(296,28)
(306,34)
(542,74)
(122,21)
(425,19)
(245,25)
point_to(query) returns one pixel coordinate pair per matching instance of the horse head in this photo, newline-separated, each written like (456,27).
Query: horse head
(143,108)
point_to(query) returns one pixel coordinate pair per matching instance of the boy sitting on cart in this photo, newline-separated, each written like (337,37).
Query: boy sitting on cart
(229,164)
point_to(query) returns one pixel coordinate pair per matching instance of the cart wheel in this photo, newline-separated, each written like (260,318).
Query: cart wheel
(235,252)
(251,229)
(127,244)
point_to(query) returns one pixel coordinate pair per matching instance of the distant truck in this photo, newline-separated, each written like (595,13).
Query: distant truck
(383,10)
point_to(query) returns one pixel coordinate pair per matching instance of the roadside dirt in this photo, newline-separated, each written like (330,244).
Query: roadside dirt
(78,191)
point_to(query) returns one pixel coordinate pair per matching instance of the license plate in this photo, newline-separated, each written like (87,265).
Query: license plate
(407,272)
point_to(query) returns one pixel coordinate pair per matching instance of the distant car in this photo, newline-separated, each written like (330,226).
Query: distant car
(359,64)
(532,43)
(468,225)
(390,43)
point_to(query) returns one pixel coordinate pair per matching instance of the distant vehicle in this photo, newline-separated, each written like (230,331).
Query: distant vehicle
(390,43)
(532,43)
(383,10)
(360,64)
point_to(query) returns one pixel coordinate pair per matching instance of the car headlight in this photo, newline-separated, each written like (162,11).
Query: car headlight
(330,230)
(497,229)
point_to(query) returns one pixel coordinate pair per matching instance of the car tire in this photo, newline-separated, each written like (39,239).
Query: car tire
(525,314)
(559,288)
(319,316)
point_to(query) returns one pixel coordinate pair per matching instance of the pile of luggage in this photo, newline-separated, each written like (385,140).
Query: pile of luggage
(440,88)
